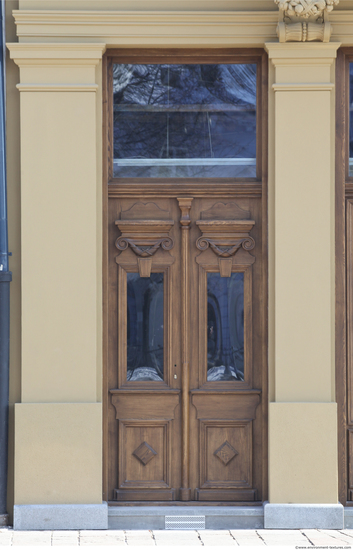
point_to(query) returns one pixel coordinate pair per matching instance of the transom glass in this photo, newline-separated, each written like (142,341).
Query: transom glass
(186,121)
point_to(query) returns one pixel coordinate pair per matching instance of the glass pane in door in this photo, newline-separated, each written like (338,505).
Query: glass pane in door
(145,327)
(225,327)
(184,120)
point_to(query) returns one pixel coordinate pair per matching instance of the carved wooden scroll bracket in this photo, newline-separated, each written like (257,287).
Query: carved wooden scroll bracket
(225,237)
(144,237)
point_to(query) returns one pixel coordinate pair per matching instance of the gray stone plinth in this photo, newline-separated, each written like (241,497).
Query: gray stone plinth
(216,517)
(31,517)
(348,517)
(303,516)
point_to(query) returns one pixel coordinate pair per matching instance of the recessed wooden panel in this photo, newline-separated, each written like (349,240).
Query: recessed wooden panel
(144,454)
(144,405)
(226,405)
(234,469)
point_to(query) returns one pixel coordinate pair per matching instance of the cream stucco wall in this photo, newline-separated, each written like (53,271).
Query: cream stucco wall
(61,218)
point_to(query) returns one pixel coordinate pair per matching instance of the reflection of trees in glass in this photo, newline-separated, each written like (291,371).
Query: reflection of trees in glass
(145,330)
(183,112)
(225,327)
(351,115)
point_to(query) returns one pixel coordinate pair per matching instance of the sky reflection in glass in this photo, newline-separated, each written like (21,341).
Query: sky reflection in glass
(184,120)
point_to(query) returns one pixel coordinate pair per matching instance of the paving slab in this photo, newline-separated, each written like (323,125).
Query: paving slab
(340,536)
(65,538)
(5,537)
(283,537)
(321,538)
(243,537)
(31,538)
(216,538)
(170,537)
(105,538)
(139,538)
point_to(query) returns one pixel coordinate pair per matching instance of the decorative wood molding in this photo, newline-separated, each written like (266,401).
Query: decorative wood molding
(226,453)
(144,453)
(185,206)
(144,237)
(225,237)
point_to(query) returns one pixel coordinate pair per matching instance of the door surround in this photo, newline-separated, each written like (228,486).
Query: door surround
(230,188)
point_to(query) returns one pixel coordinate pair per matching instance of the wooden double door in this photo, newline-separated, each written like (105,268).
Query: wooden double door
(186,409)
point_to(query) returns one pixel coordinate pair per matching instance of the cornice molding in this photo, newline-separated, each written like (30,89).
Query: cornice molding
(126,28)
(150,28)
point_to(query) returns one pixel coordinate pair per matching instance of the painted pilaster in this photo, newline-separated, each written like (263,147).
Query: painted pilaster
(302,413)
(58,427)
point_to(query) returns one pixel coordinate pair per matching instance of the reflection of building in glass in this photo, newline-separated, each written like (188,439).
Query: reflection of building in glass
(225,327)
(184,120)
(145,327)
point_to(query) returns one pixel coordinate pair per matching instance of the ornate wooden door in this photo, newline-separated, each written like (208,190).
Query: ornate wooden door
(185,409)
(185,298)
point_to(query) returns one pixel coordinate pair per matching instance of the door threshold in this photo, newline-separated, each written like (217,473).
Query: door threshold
(180,503)
(190,515)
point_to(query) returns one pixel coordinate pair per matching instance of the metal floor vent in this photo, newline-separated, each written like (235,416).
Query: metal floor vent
(184,522)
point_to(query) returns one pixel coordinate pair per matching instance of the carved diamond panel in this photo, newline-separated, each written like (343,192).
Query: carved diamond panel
(144,453)
(226,452)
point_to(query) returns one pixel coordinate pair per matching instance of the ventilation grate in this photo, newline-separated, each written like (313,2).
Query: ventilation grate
(184,522)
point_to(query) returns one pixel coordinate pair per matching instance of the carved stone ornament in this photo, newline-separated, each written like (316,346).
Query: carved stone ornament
(225,237)
(144,236)
(305,20)
(306,8)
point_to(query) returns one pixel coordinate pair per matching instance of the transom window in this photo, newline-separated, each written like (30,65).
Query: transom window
(184,120)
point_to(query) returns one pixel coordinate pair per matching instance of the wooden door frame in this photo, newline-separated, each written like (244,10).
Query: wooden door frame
(234,187)
(343,243)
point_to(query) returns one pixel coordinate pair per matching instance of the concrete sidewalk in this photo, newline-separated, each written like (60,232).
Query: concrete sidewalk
(305,538)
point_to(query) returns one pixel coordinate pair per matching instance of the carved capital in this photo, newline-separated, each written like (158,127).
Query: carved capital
(306,8)
(304,20)
(144,237)
(225,237)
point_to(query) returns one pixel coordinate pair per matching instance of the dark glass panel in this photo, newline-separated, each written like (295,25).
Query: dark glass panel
(145,331)
(351,119)
(225,327)
(184,120)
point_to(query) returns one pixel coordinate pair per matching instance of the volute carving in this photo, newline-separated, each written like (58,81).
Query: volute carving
(305,20)
(144,237)
(225,237)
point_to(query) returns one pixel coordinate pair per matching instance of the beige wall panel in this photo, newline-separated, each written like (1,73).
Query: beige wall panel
(303,453)
(14,228)
(57,74)
(288,73)
(303,221)
(59,246)
(58,452)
